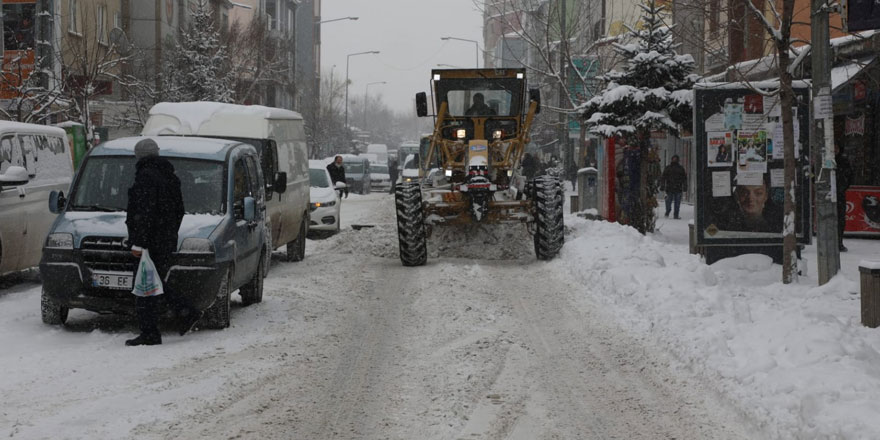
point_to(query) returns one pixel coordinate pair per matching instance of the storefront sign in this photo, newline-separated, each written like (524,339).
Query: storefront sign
(860,91)
(863,210)
(855,126)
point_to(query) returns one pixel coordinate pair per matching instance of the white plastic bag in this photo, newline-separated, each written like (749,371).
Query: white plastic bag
(147,281)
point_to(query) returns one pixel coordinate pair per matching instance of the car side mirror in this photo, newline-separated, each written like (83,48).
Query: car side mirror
(280,184)
(422,104)
(14,176)
(250,209)
(341,185)
(57,202)
(535,95)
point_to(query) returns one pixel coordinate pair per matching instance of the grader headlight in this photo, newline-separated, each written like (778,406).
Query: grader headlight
(460,133)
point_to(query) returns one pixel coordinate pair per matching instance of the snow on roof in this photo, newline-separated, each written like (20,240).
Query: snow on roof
(191,116)
(7,126)
(317,163)
(840,41)
(768,84)
(178,146)
(843,73)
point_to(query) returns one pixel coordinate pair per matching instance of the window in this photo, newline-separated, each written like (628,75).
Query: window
(73,16)
(253,179)
(101,24)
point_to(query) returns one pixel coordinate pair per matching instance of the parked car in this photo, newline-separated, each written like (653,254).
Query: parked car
(87,262)
(410,171)
(34,160)
(279,137)
(357,173)
(380,179)
(325,202)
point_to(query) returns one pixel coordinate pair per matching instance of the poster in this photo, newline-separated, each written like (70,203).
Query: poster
(733,116)
(750,178)
(720,149)
(751,151)
(777,178)
(771,106)
(739,207)
(721,184)
(715,122)
(863,210)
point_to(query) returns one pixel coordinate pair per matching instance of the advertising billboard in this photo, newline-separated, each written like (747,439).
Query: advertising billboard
(738,139)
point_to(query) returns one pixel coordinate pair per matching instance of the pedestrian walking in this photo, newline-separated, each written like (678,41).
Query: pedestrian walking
(392,174)
(673,182)
(154,213)
(337,173)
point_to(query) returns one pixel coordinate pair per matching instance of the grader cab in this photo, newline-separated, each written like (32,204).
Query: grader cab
(482,123)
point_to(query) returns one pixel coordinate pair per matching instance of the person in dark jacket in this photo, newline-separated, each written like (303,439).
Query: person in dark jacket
(844,178)
(337,173)
(529,166)
(392,173)
(154,213)
(674,182)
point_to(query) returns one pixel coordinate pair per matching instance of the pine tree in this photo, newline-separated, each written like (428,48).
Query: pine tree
(651,93)
(197,68)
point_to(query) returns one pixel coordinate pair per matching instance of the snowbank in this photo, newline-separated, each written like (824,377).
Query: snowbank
(794,357)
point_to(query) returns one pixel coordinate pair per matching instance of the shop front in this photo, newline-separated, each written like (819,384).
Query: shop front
(857,133)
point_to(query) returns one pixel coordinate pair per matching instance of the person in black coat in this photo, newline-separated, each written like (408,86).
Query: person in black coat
(392,174)
(674,182)
(844,178)
(337,172)
(154,213)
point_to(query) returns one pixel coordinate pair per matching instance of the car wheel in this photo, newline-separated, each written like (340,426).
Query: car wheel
(52,312)
(296,249)
(252,292)
(218,315)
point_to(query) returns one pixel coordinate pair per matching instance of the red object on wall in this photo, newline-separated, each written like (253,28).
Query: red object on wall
(863,210)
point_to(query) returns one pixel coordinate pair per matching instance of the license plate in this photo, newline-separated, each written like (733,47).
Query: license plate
(109,280)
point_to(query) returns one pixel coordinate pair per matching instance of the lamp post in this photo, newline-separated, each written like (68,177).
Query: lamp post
(337,19)
(476,46)
(366,95)
(347,60)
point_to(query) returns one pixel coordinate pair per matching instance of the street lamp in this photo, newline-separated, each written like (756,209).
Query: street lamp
(337,19)
(347,60)
(366,94)
(476,46)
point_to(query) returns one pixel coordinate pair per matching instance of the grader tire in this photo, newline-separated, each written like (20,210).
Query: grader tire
(411,231)
(549,226)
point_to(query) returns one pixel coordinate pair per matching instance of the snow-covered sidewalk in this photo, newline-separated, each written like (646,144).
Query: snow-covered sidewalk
(793,357)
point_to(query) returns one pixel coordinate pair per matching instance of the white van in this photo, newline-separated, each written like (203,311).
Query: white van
(381,152)
(279,137)
(34,160)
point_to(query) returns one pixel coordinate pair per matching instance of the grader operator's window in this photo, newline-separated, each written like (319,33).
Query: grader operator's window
(481,98)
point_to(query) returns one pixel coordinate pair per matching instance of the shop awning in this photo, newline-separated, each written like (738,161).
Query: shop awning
(842,74)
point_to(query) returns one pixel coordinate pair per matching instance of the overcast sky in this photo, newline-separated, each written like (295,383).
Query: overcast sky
(407,32)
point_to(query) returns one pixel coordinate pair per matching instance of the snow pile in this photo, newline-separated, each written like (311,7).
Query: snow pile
(795,357)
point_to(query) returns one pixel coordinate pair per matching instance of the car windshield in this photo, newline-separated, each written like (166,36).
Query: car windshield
(354,167)
(379,169)
(412,162)
(104,182)
(318,178)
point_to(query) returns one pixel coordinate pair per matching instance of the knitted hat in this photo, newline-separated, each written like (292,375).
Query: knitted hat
(146,147)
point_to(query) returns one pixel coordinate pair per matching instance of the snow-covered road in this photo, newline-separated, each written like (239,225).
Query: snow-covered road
(484,342)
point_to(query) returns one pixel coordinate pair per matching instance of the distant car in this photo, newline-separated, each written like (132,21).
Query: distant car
(324,201)
(357,173)
(87,261)
(380,180)
(410,171)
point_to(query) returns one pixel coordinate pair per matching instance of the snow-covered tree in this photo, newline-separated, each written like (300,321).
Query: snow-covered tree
(31,100)
(197,67)
(651,93)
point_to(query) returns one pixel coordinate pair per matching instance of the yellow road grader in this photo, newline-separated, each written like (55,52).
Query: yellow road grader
(482,123)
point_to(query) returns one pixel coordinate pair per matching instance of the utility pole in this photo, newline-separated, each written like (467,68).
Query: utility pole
(822,140)
(563,85)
